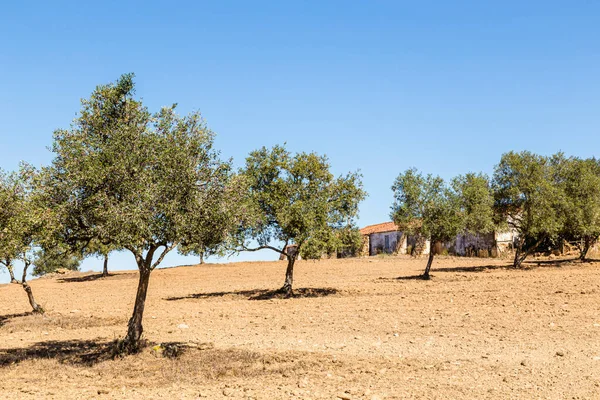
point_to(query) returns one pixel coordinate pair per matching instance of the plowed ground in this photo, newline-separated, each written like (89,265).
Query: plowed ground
(358,329)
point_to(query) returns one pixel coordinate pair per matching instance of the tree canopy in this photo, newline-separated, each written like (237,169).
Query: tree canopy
(137,180)
(528,199)
(26,223)
(579,181)
(427,207)
(295,199)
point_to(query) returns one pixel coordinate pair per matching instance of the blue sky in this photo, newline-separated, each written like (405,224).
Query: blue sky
(379,86)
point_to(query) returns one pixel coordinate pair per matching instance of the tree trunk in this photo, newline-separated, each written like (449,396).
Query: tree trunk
(289,277)
(201,257)
(105,268)
(11,272)
(132,342)
(587,243)
(35,306)
(516,262)
(521,254)
(428,268)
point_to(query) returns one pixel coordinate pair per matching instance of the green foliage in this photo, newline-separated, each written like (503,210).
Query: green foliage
(424,205)
(126,178)
(344,242)
(25,221)
(579,181)
(476,202)
(48,260)
(528,198)
(296,199)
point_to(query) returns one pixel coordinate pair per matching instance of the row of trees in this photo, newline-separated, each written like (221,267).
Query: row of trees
(123,178)
(542,199)
(126,179)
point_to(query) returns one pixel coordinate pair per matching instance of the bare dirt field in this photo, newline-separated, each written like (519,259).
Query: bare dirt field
(359,329)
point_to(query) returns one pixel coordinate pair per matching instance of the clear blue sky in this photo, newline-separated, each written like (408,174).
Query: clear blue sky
(378,86)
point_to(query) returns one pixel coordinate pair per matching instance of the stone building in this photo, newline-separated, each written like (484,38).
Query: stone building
(385,238)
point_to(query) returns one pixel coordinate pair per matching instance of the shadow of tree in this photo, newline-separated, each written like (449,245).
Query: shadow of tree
(420,277)
(551,263)
(262,294)
(4,318)
(74,352)
(95,277)
(474,268)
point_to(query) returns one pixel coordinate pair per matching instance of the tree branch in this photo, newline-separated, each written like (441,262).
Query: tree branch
(163,254)
(265,247)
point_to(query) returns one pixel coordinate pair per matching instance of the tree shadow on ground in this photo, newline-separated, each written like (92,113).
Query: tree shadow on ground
(527,264)
(262,294)
(590,260)
(4,318)
(94,277)
(551,263)
(409,278)
(73,352)
(474,268)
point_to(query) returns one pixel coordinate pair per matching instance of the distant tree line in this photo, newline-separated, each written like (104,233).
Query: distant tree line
(543,199)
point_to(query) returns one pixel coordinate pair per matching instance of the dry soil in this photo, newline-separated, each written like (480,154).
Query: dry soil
(358,329)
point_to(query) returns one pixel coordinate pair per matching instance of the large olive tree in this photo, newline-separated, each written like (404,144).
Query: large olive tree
(294,199)
(143,182)
(529,199)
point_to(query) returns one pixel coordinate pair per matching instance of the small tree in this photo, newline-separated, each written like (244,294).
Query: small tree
(98,249)
(425,206)
(11,198)
(23,224)
(476,203)
(50,259)
(528,198)
(579,180)
(295,199)
(134,180)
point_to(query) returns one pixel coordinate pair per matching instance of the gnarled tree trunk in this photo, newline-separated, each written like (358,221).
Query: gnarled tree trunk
(132,342)
(11,272)
(521,251)
(34,305)
(587,244)
(428,267)
(105,267)
(289,276)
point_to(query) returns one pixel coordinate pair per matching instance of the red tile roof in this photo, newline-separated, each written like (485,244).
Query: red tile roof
(378,228)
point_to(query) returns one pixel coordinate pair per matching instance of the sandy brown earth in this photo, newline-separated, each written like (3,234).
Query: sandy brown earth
(361,329)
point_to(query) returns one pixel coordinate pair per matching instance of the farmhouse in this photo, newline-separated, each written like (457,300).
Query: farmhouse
(386,238)
(383,238)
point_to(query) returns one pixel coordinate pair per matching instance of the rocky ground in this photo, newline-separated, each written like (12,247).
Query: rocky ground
(359,329)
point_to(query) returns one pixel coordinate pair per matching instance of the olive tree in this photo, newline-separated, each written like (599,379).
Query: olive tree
(96,248)
(294,199)
(528,199)
(476,203)
(11,199)
(427,207)
(23,224)
(139,181)
(48,259)
(580,183)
